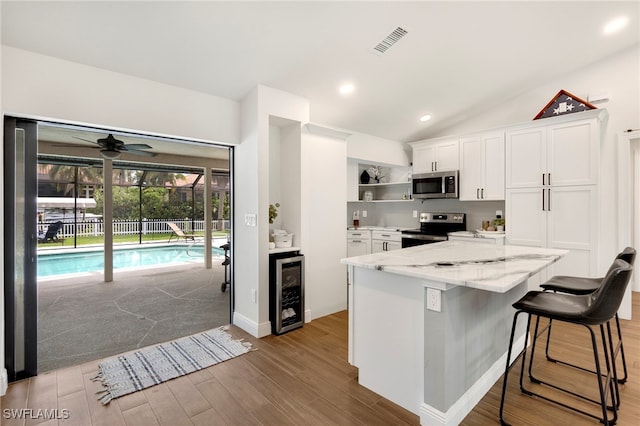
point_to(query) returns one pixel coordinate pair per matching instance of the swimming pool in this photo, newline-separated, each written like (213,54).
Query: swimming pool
(83,261)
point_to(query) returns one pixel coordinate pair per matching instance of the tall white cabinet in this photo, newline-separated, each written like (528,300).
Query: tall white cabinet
(552,188)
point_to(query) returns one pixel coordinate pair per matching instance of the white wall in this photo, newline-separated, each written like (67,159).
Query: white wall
(372,149)
(251,243)
(38,85)
(324,231)
(46,87)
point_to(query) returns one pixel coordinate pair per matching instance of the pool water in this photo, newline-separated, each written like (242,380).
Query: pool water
(52,264)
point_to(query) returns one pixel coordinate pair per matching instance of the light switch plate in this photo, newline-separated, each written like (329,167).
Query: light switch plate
(250,219)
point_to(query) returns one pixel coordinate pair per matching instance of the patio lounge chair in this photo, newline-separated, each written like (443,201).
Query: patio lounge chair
(51,234)
(179,233)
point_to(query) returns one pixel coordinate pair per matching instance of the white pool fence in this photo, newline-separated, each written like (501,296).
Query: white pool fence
(95,227)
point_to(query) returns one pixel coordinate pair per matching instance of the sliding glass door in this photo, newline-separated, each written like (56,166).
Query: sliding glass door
(20,247)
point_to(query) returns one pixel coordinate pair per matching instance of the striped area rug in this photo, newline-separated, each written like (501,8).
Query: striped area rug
(131,372)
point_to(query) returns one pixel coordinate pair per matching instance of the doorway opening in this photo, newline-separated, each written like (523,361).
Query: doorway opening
(117,207)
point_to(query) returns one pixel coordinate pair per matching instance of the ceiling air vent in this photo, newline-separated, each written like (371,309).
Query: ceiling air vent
(389,41)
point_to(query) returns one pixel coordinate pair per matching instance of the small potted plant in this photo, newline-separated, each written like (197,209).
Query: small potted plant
(273,212)
(498,224)
(376,173)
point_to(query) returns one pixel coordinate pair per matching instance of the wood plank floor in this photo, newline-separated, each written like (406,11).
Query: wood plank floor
(299,378)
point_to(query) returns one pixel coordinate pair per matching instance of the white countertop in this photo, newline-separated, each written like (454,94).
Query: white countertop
(283,249)
(485,267)
(377,228)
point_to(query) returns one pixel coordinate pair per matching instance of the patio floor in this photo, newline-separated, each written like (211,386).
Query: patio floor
(84,319)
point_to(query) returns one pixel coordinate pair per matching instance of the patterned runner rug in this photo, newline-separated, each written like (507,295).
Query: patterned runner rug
(131,372)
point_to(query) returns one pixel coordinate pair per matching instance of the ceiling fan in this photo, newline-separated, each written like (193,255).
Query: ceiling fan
(111,148)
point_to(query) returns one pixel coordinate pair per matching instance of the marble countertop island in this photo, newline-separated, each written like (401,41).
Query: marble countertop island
(491,268)
(429,325)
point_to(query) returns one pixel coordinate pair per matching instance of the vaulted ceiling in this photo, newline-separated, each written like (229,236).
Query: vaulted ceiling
(455,57)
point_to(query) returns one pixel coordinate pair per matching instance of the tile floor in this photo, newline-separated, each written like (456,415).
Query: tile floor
(84,319)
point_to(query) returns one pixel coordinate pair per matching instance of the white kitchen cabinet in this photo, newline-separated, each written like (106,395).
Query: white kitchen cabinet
(385,241)
(555,155)
(435,156)
(482,167)
(552,190)
(358,242)
(559,217)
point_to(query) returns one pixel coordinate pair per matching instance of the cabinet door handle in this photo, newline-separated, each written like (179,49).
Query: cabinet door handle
(356,241)
(436,165)
(482,193)
(548,178)
(549,200)
(543,194)
(478,193)
(543,179)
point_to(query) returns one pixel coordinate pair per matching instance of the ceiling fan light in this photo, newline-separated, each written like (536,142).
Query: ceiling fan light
(109,154)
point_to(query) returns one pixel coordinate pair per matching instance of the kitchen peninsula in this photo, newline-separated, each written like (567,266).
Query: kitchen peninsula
(429,325)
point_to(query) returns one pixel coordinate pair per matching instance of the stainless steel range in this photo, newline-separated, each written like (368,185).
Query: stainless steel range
(434,228)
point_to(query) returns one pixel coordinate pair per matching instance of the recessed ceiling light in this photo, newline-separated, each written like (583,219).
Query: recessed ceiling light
(615,25)
(346,89)
(425,117)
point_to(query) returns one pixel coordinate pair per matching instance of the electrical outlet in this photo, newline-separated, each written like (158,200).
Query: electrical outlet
(364,213)
(434,300)
(254,295)
(415,213)
(499,213)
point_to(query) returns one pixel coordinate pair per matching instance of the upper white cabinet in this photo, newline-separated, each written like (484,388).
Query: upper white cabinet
(482,167)
(554,155)
(435,156)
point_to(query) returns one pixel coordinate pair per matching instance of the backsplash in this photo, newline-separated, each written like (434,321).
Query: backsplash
(400,214)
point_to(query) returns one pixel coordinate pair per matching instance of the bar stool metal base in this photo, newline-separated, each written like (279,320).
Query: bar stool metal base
(619,349)
(606,390)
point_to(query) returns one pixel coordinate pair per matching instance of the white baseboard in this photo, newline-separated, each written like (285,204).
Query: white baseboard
(4,381)
(252,327)
(307,315)
(463,406)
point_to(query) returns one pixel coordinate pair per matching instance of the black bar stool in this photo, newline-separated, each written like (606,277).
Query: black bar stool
(589,310)
(582,285)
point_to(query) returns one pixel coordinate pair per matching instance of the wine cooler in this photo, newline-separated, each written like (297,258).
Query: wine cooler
(286,291)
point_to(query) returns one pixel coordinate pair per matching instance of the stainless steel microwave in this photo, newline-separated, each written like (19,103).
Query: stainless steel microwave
(435,185)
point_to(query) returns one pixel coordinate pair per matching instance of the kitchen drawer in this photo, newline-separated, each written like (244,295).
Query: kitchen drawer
(358,234)
(387,235)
